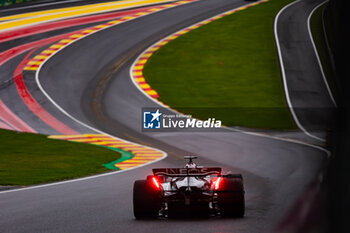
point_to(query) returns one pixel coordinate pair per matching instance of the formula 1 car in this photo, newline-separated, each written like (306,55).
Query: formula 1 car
(189,191)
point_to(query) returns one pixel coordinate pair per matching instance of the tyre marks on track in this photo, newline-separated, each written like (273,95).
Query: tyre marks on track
(136,71)
(142,155)
(33,105)
(35,63)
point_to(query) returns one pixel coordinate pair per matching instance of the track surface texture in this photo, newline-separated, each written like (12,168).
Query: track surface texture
(90,80)
(310,98)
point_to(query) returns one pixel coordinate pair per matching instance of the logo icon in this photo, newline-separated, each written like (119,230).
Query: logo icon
(152,120)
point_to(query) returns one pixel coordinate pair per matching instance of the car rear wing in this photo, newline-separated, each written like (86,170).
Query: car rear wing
(184,172)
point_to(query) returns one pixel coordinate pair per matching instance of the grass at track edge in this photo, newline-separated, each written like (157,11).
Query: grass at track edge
(228,69)
(27,159)
(4,3)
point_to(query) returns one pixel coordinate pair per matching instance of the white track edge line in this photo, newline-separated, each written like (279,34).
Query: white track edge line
(96,130)
(285,85)
(157,42)
(230,129)
(316,53)
(83,124)
(79,179)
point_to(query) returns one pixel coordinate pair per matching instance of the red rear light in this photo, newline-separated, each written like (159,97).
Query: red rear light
(217,183)
(155,182)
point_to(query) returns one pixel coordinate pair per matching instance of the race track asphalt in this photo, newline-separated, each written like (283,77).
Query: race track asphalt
(310,98)
(276,172)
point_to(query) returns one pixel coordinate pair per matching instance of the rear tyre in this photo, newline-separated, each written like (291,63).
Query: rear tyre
(146,200)
(231,200)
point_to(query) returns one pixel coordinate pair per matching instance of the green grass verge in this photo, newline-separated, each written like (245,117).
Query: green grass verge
(27,159)
(227,69)
(321,45)
(11,2)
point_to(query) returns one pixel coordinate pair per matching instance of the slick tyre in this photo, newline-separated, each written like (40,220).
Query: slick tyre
(231,201)
(146,200)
